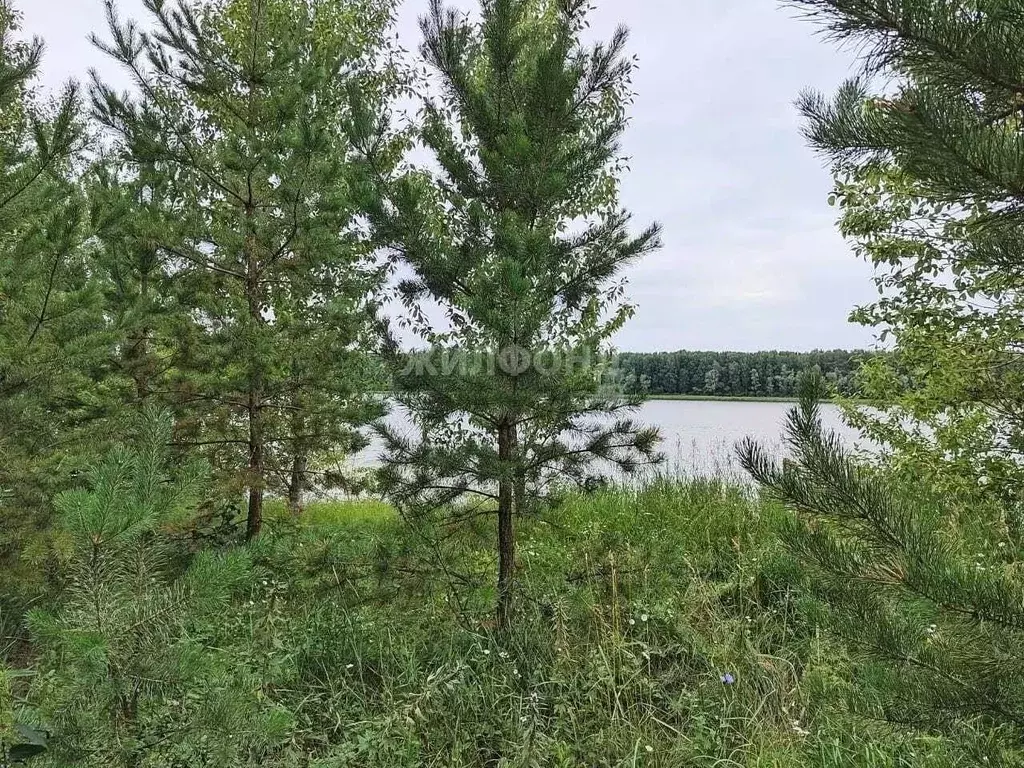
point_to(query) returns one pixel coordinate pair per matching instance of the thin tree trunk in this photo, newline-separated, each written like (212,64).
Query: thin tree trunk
(254,521)
(506,528)
(141,371)
(519,475)
(134,362)
(297,486)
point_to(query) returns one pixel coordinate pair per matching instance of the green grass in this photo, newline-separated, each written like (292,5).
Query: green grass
(631,607)
(351,638)
(345,512)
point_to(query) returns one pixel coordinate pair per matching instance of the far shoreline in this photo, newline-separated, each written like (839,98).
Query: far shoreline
(738,399)
(726,398)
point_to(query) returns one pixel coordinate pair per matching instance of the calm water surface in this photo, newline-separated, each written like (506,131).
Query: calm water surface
(700,435)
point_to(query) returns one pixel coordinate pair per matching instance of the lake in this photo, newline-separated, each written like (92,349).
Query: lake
(700,435)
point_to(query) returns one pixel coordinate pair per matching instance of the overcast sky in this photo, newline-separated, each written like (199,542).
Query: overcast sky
(752,259)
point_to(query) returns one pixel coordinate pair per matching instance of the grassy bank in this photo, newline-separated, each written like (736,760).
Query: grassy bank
(656,627)
(662,627)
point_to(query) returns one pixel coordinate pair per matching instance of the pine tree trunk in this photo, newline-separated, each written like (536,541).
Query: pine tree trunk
(141,372)
(133,363)
(142,376)
(520,477)
(506,529)
(254,521)
(297,486)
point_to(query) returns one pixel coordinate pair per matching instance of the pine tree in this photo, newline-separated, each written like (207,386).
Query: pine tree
(129,676)
(129,210)
(925,592)
(928,183)
(916,561)
(239,131)
(520,242)
(927,148)
(50,312)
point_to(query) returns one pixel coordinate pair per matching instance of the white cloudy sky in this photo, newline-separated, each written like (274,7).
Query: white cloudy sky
(751,258)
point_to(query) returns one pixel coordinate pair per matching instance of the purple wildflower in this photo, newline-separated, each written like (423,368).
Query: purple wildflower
(727,679)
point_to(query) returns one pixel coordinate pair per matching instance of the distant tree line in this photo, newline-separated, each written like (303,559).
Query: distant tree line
(737,374)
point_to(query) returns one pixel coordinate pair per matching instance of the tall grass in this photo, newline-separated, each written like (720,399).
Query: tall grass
(661,626)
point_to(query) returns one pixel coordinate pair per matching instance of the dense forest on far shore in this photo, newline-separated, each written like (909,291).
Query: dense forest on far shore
(737,374)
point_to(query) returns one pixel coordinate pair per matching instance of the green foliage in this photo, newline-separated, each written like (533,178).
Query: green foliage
(924,591)
(51,345)
(243,186)
(519,242)
(351,649)
(333,513)
(635,606)
(736,374)
(927,157)
(953,383)
(126,674)
(136,277)
(212,272)
(915,557)
(918,556)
